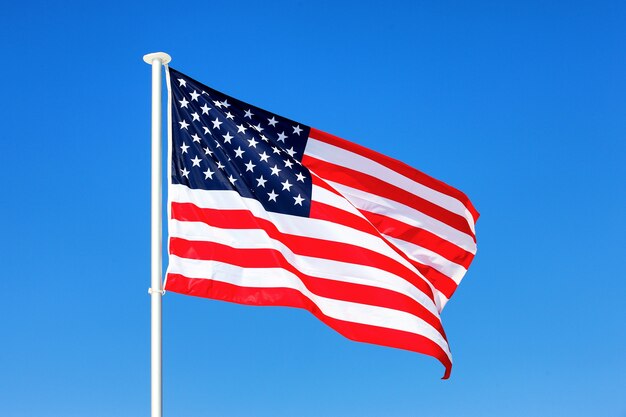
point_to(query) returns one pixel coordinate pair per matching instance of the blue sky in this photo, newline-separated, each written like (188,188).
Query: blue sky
(519,104)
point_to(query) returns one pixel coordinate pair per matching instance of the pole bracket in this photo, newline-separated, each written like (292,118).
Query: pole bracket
(152,291)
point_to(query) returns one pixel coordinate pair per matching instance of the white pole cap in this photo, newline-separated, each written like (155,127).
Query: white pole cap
(161,56)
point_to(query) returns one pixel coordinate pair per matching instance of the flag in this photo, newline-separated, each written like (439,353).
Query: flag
(264,210)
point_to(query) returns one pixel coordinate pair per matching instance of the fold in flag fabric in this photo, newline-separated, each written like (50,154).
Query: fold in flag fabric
(264,210)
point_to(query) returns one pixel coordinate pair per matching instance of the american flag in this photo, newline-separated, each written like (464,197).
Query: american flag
(264,210)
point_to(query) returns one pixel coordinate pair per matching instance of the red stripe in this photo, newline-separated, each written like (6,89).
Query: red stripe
(441,282)
(288,297)
(385,225)
(420,237)
(272,258)
(397,166)
(373,185)
(319,248)
(322,211)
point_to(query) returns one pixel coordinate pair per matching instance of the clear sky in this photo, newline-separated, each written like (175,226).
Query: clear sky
(522,105)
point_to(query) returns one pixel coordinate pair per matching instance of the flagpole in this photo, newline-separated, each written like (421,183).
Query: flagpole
(156,59)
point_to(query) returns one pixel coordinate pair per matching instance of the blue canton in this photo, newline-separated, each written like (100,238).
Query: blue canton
(221,143)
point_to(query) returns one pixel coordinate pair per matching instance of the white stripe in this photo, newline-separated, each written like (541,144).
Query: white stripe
(441,300)
(379,205)
(430,258)
(313,266)
(342,157)
(415,252)
(281,278)
(328,197)
(296,225)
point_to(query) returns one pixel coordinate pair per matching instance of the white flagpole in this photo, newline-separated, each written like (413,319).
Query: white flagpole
(157,60)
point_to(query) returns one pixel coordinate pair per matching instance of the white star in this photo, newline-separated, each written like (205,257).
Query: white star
(183,124)
(182,82)
(275,149)
(194,95)
(225,104)
(229,115)
(248,114)
(282,137)
(227,137)
(219,165)
(241,129)
(263,138)
(286,185)
(207,151)
(252,143)
(239,152)
(217,104)
(261,181)
(250,166)
(216,123)
(297,130)
(288,163)
(184,148)
(183,102)
(217,144)
(195,116)
(258,127)
(232,180)
(207,131)
(205,109)
(291,152)
(272,196)
(196,161)
(184,173)
(275,170)
(208,174)
(299,200)
(196,138)
(300,177)
(272,121)
(264,156)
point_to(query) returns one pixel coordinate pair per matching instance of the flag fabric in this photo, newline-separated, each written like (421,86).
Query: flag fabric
(264,210)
